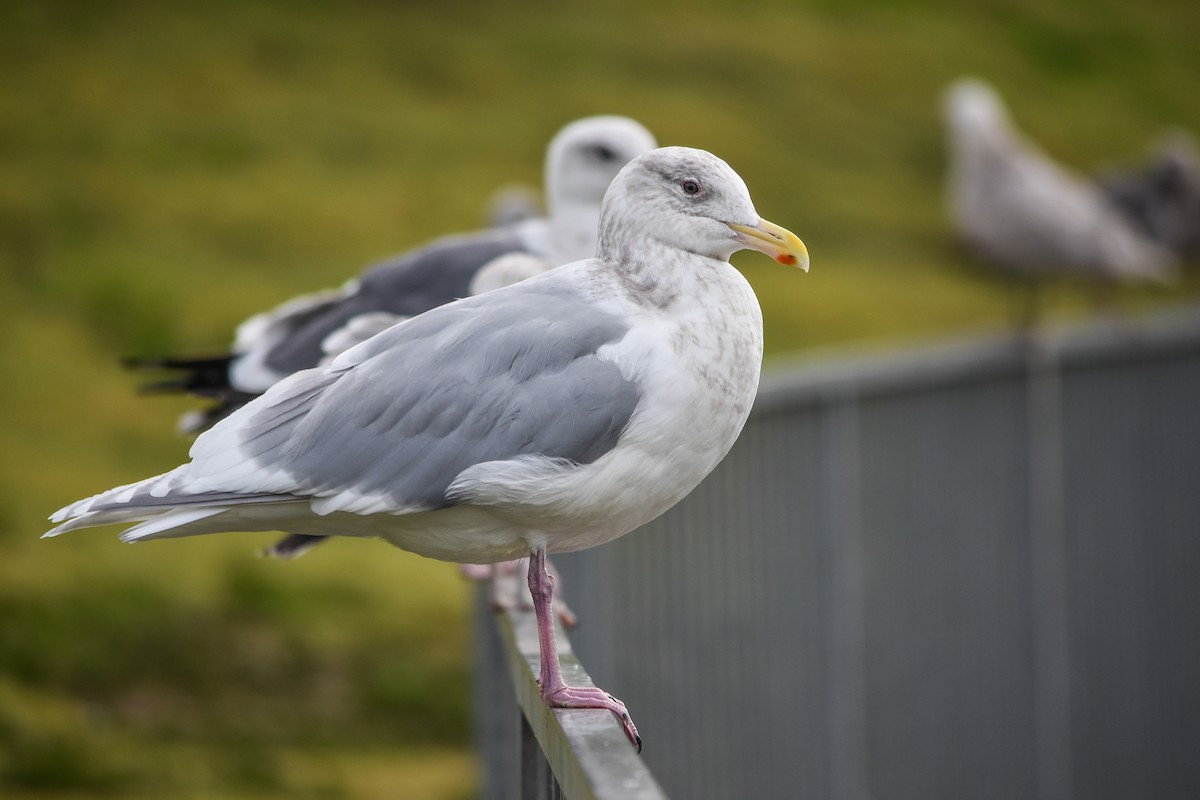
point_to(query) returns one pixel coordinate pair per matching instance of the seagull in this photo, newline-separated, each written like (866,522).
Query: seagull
(549,416)
(512,203)
(497,273)
(1162,195)
(1022,212)
(581,161)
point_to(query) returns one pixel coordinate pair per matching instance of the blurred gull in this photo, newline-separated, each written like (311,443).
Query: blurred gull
(581,161)
(512,203)
(1162,195)
(501,271)
(1021,211)
(552,415)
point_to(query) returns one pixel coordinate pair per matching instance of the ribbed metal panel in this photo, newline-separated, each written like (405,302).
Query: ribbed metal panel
(1133,540)
(947,593)
(968,571)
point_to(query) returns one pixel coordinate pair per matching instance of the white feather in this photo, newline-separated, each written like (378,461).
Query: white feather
(161,526)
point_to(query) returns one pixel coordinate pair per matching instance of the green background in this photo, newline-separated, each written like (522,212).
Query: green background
(166,172)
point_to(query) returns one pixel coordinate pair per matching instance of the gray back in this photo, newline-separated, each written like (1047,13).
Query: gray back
(407,285)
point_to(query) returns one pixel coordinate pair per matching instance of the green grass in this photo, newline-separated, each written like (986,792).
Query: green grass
(167,171)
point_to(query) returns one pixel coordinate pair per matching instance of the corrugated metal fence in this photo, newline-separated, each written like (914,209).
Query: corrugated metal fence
(969,571)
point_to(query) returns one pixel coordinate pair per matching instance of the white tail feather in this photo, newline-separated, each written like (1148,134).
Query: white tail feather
(92,519)
(166,525)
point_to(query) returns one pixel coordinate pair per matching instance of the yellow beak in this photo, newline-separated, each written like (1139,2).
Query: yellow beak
(779,243)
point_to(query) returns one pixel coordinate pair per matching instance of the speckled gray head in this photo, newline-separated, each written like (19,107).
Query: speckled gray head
(691,200)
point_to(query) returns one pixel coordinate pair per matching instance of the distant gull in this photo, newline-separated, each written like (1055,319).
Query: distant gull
(1019,210)
(549,416)
(512,203)
(502,271)
(1162,195)
(580,162)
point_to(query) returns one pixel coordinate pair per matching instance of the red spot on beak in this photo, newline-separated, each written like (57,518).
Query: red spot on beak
(787,259)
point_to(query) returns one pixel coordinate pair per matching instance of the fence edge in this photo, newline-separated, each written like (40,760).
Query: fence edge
(586,749)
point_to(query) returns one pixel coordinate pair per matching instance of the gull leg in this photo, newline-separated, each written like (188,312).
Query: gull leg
(555,691)
(475,572)
(506,585)
(506,590)
(565,615)
(293,545)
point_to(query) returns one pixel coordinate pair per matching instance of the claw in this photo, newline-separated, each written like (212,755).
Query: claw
(590,697)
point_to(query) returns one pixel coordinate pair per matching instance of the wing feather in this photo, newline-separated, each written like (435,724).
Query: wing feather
(393,421)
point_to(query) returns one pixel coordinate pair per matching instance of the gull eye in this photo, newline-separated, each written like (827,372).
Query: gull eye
(690,187)
(600,152)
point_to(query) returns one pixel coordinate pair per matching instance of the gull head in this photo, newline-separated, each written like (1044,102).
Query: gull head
(973,108)
(693,201)
(586,155)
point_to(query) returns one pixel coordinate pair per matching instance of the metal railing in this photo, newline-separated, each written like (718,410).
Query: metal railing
(575,754)
(962,571)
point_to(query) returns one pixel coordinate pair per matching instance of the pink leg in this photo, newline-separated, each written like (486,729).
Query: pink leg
(475,572)
(505,589)
(555,691)
(506,592)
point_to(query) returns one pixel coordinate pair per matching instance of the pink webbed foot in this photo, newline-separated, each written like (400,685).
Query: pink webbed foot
(592,697)
(554,690)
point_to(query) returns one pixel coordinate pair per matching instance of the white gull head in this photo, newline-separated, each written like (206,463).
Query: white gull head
(581,162)
(685,199)
(976,115)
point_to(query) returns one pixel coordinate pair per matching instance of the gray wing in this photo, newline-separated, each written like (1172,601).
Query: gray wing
(406,285)
(1059,219)
(1162,195)
(355,332)
(289,337)
(396,419)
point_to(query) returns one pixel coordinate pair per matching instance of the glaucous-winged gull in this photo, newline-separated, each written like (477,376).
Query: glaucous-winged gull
(581,160)
(512,203)
(1162,195)
(549,416)
(1020,211)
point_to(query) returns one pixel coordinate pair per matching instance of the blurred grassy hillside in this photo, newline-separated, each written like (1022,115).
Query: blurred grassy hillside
(167,171)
